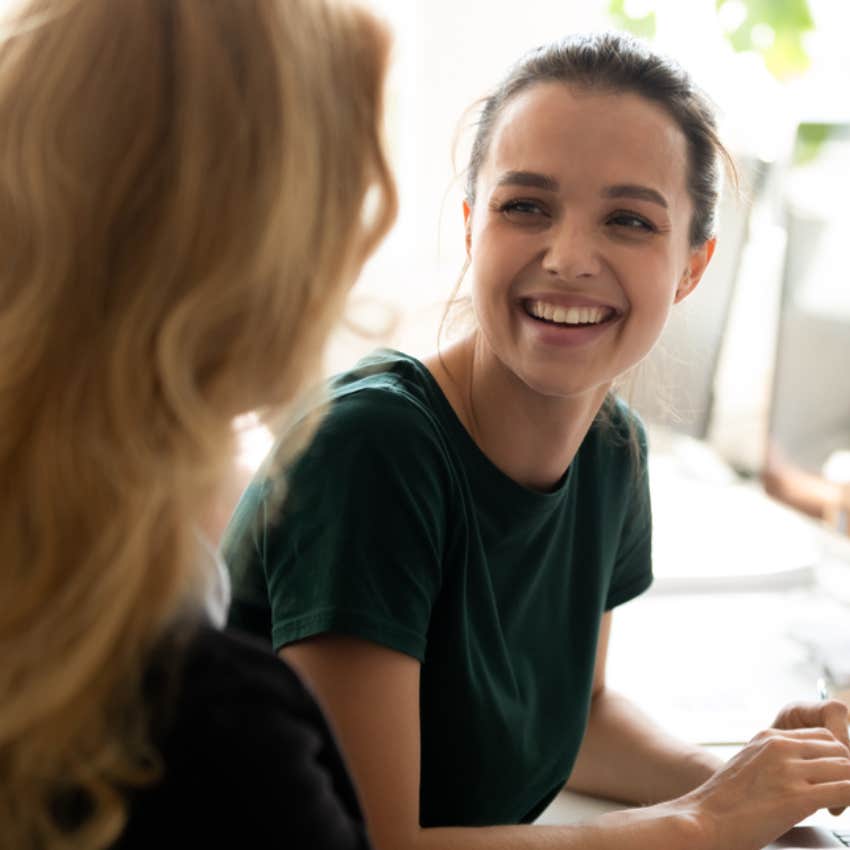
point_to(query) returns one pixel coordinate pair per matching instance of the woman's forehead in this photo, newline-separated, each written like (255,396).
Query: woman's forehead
(579,134)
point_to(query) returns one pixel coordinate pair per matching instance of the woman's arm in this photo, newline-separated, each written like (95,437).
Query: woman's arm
(813,494)
(625,756)
(371,694)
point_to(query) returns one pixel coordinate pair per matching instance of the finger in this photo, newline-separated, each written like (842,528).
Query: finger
(791,754)
(817,731)
(810,713)
(830,795)
(835,716)
(819,748)
(797,715)
(801,743)
(832,715)
(822,770)
(837,811)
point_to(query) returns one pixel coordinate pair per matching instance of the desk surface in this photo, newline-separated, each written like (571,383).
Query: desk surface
(716,668)
(745,590)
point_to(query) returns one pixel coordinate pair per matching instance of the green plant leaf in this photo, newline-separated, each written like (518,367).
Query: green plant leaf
(643,27)
(789,20)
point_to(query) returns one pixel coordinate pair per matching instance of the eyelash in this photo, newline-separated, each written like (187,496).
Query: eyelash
(522,207)
(618,218)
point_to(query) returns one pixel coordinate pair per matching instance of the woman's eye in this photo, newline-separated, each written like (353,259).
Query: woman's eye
(520,208)
(630,221)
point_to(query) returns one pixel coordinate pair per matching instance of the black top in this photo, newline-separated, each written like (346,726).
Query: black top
(249,759)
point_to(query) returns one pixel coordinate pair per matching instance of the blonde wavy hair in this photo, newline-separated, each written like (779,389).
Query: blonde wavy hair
(187,190)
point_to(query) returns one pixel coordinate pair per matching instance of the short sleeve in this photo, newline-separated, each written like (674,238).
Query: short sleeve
(357,548)
(632,573)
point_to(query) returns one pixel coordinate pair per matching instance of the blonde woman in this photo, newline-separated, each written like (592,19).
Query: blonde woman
(181,213)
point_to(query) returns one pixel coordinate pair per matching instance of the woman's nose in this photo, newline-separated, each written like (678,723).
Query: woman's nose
(571,251)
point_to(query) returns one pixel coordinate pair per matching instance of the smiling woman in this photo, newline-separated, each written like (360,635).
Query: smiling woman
(462,528)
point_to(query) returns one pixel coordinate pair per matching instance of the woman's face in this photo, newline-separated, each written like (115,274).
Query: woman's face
(578,241)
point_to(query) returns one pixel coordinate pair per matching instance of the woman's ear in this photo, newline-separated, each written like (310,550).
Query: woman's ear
(697,264)
(467,225)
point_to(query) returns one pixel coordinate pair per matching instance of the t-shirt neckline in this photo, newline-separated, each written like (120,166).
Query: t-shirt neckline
(489,473)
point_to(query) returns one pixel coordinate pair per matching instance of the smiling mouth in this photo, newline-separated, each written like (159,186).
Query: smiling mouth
(554,314)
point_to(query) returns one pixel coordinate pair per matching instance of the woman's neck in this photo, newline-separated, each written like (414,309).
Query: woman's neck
(531,437)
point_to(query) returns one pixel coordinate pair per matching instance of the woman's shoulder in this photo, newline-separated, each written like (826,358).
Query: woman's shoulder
(229,686)
(385,384)
(387,405)
(618,424)
(224,663)
(617,441)
(244,748)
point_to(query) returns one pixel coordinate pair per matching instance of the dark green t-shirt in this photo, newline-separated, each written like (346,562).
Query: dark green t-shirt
(399,530)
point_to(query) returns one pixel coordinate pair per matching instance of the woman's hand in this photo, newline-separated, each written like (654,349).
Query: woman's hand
(832,715)
(777,780)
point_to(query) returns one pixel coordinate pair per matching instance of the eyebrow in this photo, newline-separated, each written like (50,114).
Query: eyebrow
(641,193)
(528,178)
(622,190)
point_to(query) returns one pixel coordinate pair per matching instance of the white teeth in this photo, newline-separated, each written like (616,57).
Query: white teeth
(567,315)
